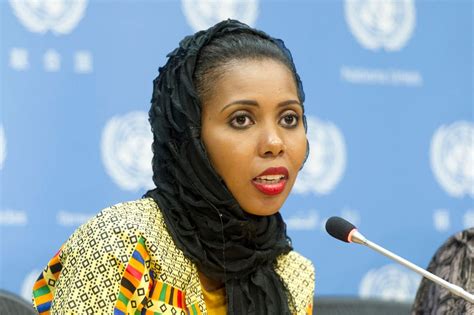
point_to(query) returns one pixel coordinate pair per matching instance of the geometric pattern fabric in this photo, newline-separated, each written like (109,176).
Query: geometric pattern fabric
(124,261)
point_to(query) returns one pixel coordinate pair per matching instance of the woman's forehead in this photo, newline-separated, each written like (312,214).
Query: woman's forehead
(253,81)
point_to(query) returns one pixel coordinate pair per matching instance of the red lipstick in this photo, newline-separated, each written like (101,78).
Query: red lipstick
(272,181)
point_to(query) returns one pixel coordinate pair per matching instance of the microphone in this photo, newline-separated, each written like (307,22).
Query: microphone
(345,231)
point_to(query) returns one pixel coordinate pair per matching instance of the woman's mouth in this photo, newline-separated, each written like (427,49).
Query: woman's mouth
(272,181)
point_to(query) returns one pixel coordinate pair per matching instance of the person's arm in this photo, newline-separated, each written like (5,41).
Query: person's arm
(105,267)
(102,268)
(84,280)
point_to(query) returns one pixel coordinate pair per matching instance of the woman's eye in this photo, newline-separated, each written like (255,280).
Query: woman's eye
(289,120)
(241,121)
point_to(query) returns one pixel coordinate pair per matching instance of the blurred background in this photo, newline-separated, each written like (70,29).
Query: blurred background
(389,99)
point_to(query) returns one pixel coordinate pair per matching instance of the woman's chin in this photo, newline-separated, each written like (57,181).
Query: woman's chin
(264,206)
(261,201)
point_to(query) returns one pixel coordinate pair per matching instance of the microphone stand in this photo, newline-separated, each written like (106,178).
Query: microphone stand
(358,238)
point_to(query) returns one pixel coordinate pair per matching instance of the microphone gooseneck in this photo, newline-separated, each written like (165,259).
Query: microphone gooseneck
(345,231)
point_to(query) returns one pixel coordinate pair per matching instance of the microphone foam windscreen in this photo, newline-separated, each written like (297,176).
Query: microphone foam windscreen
(339,228)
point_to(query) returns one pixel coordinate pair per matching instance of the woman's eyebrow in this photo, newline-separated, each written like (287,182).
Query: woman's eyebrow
(255,103)
(289,102)
(241,102)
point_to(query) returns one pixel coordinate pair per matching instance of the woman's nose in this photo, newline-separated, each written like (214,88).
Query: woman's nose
(271,144)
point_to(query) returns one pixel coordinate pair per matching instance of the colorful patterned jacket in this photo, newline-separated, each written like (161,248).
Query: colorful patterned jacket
(124,261)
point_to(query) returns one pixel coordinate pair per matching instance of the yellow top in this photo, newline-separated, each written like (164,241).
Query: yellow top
(215,301)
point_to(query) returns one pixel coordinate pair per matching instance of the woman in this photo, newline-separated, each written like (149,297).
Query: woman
(229,139)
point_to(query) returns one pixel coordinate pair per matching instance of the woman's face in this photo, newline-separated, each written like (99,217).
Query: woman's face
(253,131)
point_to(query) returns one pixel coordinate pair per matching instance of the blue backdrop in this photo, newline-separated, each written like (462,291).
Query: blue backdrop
(389,88)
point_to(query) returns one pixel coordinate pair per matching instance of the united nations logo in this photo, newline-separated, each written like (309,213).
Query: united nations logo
(126,151)
(327,160)
(202,14)
(452,158)
(58,16)
(379,24)
(3,147)
(390,282)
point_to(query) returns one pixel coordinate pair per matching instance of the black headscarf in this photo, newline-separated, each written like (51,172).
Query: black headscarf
(204,219)
(454,262)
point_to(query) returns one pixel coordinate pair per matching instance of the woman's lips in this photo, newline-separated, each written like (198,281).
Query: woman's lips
(271,189)
(272,181)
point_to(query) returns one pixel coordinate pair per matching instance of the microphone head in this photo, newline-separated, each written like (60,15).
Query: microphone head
(339,228)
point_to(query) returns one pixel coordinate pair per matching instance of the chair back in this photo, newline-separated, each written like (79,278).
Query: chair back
(357,306)
(12,304)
